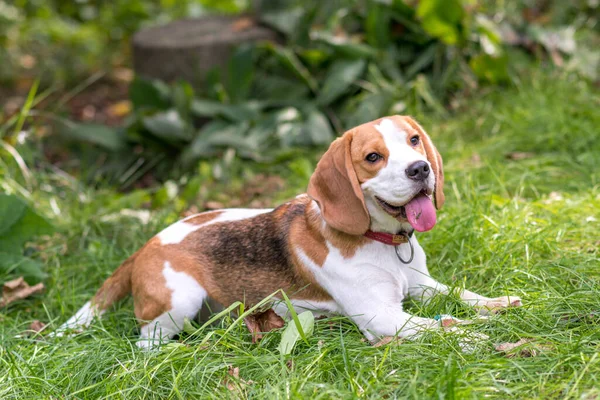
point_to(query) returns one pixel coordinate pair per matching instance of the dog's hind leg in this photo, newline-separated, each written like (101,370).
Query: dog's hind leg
(162,309)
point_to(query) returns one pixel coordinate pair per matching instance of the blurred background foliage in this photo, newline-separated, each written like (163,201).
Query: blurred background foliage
(72,111)
(341,63)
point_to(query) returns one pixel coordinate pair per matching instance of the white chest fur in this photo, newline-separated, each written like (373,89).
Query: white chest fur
(371,285)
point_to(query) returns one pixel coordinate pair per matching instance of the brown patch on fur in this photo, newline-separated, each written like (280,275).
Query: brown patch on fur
(203,218)
(151,295)
(346,244)
(247,260)
(368,140)
(335,186)
(309,238)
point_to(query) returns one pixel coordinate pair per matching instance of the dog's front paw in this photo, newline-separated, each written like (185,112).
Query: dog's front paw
(498,304)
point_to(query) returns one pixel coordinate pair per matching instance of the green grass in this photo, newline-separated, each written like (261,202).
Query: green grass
(526,227)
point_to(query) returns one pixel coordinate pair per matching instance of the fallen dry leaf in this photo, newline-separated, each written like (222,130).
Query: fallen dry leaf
(34,328)
(447,321)
(498,306)
(263,322)
(234,372)
(519,155)
(241,24)
(18,289)
(522,348)
(234,383)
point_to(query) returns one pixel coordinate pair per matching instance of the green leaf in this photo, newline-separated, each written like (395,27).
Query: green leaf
(285,20)
(152,94)
(18,265)
(318,128)
(11,210)
(442,19)
(28,225)
(183,94)
(371,106)
(188,327)
(340,76)
(201,146)
(100,135)
(490,69)
(167,125)
(390,64)
(233,112)
(554,39)
(377,26)
(423,90)
(134,199)
(277,90)
(290,127)
(167,194)
(264,131)
(344,47)
(233,137)
(241,73)
(291,334)
(491,36)
(290,61)
(422,61)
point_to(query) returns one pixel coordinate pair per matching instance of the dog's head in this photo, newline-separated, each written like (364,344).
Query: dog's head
(383,175)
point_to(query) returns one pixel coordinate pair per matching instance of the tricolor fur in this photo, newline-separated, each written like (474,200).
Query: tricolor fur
(312,247)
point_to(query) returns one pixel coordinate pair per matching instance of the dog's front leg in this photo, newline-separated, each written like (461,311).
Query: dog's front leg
(391,320)
(423,287)
(375,305)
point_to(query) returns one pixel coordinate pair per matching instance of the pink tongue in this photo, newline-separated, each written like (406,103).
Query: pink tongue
(421,213)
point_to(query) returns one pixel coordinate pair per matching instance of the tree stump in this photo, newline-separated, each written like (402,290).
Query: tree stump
(187,49)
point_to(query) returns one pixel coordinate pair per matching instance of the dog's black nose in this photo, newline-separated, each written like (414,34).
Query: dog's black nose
(418,171)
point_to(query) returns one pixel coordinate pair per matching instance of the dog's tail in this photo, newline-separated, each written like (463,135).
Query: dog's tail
(115,288)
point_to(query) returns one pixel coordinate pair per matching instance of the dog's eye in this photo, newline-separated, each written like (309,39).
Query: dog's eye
(373,157)
(414,140)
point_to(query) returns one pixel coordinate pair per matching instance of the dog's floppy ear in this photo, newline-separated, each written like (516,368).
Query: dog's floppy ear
(334,186)
(435,159)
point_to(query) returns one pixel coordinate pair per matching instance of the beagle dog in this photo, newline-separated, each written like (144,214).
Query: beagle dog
(346,246)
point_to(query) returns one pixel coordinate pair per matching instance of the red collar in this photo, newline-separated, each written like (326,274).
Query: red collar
(388,238)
